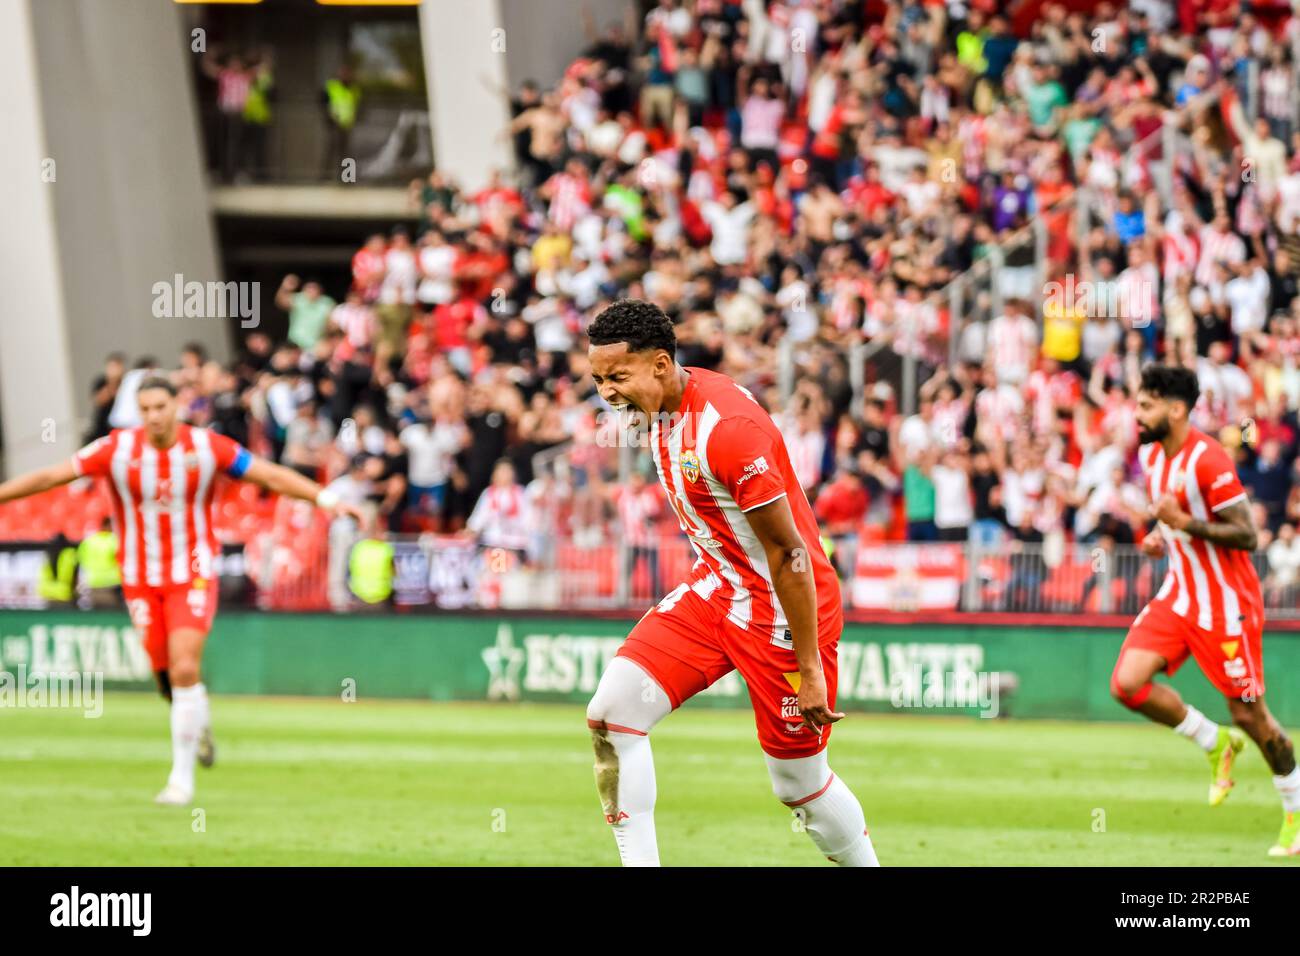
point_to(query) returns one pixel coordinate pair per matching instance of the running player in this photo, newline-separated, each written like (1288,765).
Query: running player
(161,478)
(1210,605)
(762,597)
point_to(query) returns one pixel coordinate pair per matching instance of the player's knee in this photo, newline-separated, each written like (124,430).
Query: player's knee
(795,780)
(626,700)
(1130,691)
(182,673)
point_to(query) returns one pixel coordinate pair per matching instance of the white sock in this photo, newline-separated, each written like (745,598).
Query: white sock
(1288,788)
(626,706)
(189,716)
(833,818)
(634,827)
(1196,726)
(836,824)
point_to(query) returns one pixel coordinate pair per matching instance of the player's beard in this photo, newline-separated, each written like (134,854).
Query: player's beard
(1158,432)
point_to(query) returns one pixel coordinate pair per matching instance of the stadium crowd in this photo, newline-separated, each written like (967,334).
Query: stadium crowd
(817,171)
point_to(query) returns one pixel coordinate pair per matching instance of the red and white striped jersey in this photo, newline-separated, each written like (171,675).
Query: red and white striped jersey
(1217,247)
(720,456)
(1181,252)
(1013,346)
(162,499)
(637,511)
(1215,587)
(570,199)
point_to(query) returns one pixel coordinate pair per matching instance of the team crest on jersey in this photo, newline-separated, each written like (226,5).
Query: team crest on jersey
(690,466)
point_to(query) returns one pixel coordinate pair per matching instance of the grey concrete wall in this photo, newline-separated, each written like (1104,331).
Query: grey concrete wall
(35,374)
(472,47)
(109,85)
(545,35)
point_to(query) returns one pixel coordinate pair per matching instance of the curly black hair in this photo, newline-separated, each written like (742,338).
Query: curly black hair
(642,325)
(1171,381)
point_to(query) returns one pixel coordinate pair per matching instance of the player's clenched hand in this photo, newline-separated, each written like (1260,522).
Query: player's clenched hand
(1168,511)
(812,702)
(1153,545)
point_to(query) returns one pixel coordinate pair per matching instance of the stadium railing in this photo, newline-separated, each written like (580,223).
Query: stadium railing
(596,573)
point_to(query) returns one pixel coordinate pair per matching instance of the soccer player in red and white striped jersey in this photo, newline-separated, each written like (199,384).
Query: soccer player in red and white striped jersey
(1210,605)
(762,597)
(161,477)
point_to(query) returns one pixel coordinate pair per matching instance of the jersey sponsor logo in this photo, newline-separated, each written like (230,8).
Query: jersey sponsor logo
(690,466)
(1223,479)
(756,467)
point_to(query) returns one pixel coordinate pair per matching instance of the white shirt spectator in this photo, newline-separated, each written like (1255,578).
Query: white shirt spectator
(730,231)
(436,264)
(1284,561)
(501,517)
(1248,297)
(431,449)
(952,497)
(914,436)
(398,287)
(1225,387)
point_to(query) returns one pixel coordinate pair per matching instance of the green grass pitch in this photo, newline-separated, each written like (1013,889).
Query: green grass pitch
(316,782)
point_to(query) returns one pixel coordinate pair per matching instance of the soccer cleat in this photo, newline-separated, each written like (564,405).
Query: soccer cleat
(207,748)
(173,796)
(1288,841)
(1222,757)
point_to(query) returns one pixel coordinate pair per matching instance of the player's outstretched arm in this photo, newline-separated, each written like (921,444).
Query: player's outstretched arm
(34,482)
(790,565)
(285,481)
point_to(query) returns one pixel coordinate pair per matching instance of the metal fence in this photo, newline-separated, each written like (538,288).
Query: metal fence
(573,574)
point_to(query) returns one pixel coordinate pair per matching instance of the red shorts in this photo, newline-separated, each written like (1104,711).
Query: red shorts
(157,612)
(688,644)
(1233,664)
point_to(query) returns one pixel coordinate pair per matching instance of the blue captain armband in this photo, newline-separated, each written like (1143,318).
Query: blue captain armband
(243,460)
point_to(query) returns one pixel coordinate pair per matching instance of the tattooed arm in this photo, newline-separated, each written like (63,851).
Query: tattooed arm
(1233,527)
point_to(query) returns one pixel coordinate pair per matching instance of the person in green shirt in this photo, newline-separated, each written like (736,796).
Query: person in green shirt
(341,99)
(370,569)
(1044,96)
(309,310)
(918,501)
(100,577)
(970,44)
(58,574)
(257,115)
